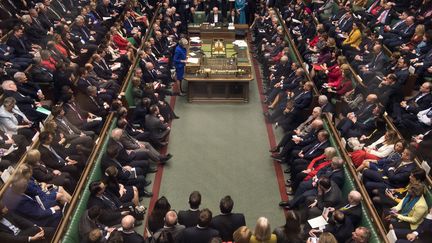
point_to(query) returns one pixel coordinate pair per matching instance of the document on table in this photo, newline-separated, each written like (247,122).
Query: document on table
(193,60)
(317,222)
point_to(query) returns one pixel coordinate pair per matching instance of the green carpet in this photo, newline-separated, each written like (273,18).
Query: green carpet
(222,149)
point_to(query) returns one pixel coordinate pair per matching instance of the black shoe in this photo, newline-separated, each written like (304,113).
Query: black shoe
(147,194)
(284,203)
(176,117)
(276,156)
(138,223)
(166,158)
(152,170)
(274,149)
(146,183)
(288,183)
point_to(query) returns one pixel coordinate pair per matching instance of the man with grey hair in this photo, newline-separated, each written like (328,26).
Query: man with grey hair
(326,106)
(361,235)
(25,103)
(170,226)
(128,232)
(29,88)
(352,210)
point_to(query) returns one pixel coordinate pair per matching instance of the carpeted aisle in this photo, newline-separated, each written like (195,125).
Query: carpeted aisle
(222,149)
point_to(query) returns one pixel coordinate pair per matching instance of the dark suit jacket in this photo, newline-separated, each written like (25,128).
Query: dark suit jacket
(400,176)
(354,214)
(188,218)
(210,18)
(422,104)
(109,213)
(19,49)
(29,208)
(133,237)
(22,223)
(303,101)
(198,235)
(155,126)
(230,19)
(64,129)
(425,231)
(226,224)
(50,159)
(337,176)
(310,152)
(332,198)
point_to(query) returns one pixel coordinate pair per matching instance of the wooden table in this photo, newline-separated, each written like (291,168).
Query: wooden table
(228,80)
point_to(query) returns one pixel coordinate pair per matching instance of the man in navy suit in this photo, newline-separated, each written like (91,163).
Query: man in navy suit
(189,218)
(226,222)
(392,176)
(403,36)
(14,228)
(202,232)
(412,106)
(422,234)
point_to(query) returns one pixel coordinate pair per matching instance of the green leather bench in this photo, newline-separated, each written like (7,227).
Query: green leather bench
(72,234)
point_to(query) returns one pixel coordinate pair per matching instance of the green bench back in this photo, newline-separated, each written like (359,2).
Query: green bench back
(72,233)
(199,17)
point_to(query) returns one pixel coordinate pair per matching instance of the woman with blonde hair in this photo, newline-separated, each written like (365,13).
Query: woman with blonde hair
(325,237)
(44,174)
(242,235)
(262,233)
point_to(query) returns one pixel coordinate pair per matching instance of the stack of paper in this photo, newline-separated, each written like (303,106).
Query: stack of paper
(240,43)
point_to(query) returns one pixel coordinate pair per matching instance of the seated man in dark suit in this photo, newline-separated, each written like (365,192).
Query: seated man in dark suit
(300,158)
(155,125)
(393,176)
(189,218)
(82,140)
(412,106)
(226,222)
(90,221)
(56,158)
(171,227)
(202,232)
(353,210)
(111,213)
(21,46)
(128,232)
(17,201)
(14,228)
(329,195)
(215,17)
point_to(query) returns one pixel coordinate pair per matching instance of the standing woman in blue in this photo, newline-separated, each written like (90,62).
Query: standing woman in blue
(180,60)
(240,6)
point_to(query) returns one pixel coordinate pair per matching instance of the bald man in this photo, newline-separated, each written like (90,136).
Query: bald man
(128,233)
(171,226)
(353,210)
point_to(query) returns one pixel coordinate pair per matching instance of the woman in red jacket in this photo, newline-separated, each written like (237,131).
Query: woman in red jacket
(304,173)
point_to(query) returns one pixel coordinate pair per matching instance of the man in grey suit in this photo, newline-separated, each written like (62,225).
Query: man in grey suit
(155,124)
(329,195)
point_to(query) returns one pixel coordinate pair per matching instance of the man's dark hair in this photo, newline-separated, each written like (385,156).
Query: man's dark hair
(94,187)
(153,109)
(195,199)
(324,182)
(55,111)
(205,217)
(226,204)
(419,174)
(44,136)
